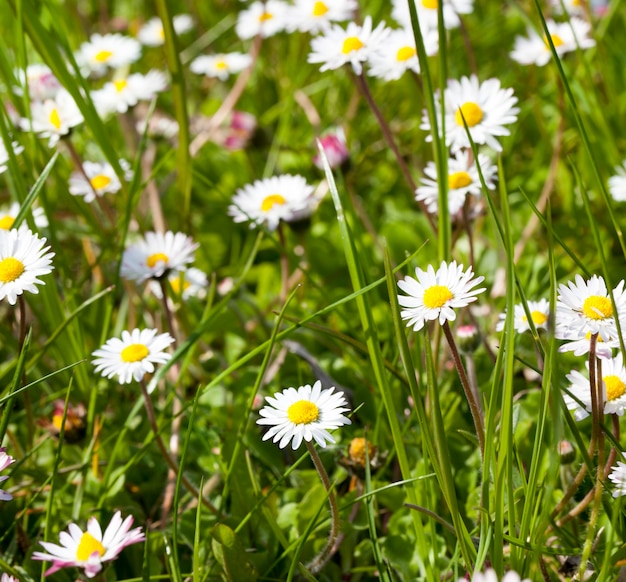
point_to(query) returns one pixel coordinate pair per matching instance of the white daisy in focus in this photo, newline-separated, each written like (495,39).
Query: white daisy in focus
(572,7)
(5,461)
(187,283)
(337,46)
(617,184)
(566,37)
(303,414)
(152,34)
(4,154)
(397,54)
(314,16)
(220,66)
(435,295)
(618,477)
(23,258)
(89,549)
(99,178)
(486,107)
(42,84)
(118,95)
(9,213)
(579,342)
(490,576)
(53,118)
(539,312)
(427,12)
(271,200)
(107,51)
(157,254)
(463,179)
(264,18)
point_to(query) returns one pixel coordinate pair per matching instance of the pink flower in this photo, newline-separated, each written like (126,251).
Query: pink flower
(335,148)
(5,461)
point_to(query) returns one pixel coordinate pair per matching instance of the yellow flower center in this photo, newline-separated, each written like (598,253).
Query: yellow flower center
(588,337)
(471,111)
(430,4)
(405,53)
(87,546)
(178,285)
(6,222)
(557,41)
(152,260)
(54,118)
(538,317)
(356,451)
(10,269)
(265,16)
(269,202)
(351,44)
(120,85)
(437,296)
(459,180)
(221,64)
(596,307)
(303,412)
(103,56)
(100,181)
(614,387)
(134,353)
(319,9)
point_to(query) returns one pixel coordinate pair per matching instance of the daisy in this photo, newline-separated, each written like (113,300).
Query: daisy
(304,413)
(152,34)
(7,578)
(90,549)
(9,213)
(354,44)
(42,84)
(264,18)
(122,93)
(220,66)
(463,179)
(99,178)
(427,12)
(5,461)
(578,341)
(486,107)
(4,154)
(23,258)
(617,184)
(566,37)
(335,147)
(539,312)
(613,385)
(271,200)
(191,282)
(158,125)
(572,7)
(107,51)
(491,576)
(157,254)
(53,118)
(397,54)
(618,476)
(433,295)
(314,16)
(133,356)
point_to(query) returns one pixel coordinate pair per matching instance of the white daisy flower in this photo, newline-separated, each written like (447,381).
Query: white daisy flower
(579,342)
(220,66)
(157,254)
(107,51)
(486,107)
(264,18)
(4,154)
(566,37)
(314,16)
(397,54)
(99,178)
(23,258)
(133,356)
(152,34)
(490,576)
(304,413)
(5,461)
(158,125)
(90,549)
(53,118)
(463,179)
(337,46)
(271,200)
(42,84)
(572,7)
(617,184)
(187,283)
(435,295)
(539,312)
(585,306)
(427,12)
(618,476)
(122,93)
(8,214)
(613,385)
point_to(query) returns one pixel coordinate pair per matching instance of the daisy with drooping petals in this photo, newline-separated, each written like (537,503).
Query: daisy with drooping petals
(313,15)
(490,576)
(463,179)
(90,549)
(617,184)
(99,178)
(157,254)
(427,12)
(133,356)
(122,93)
(152,34)
(220,66)
(5,461)
(337,46)
(578,342)
(618,477)
(9,213)
(539,312)
(264,18)
(23,258)
(187,283)
(435,295)
(304,413)
(273,199)
(107,51)
(486,108)
(566,37)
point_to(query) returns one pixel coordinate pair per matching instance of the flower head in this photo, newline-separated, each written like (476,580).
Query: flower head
(187,283)
(90,549)
(579,342)
(99,178)
(304,413)
(7,578)
(572,7)
(491,576)
(427,12)
(5,461)
(539,312)
(42,84)
(221,65)
(264,18)
(435,295)
(335,148)
(8,214)
(133,356)
(617,184)
(124,92)
(107,51)
(152,34)
(314,15)
(618,476)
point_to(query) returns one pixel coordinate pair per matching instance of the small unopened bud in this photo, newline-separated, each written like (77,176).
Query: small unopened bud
(566,452)
(356,451)
(468,338)
(335,148)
